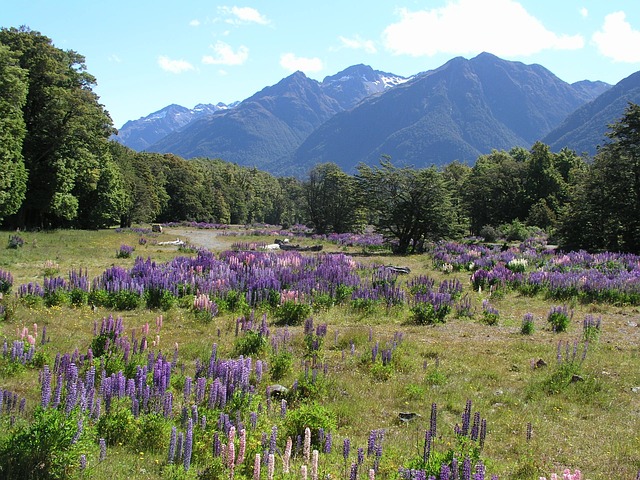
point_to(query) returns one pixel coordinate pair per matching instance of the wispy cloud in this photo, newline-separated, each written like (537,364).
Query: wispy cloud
(225,55)
(501,27)
(115,58)
(617,39)
(174,66)
(292,63)
(584,12)
(243,15)
(358,43)
(194,23)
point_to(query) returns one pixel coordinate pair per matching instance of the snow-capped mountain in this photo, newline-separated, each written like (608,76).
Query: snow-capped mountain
(140,134)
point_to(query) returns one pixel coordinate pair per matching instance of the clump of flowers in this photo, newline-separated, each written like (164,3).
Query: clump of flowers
(560,318)
(125,251)
(490,314)
(6,281)
(15,241)
(566,475)
(518,265)
(528,325)
(51,268)
(591,328)
(205,308)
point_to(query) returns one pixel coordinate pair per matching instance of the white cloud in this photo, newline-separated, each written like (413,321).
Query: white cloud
(224,55)
(174,66)
(501,27)
(194,23)
(290,62)
(358,43)
(584,12)
(115,58)
(617,40)
(242,15)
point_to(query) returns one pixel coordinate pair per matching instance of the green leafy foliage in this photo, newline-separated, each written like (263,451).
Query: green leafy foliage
(42,449)
(292,313)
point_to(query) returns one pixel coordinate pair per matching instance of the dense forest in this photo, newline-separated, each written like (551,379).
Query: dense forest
(58,169)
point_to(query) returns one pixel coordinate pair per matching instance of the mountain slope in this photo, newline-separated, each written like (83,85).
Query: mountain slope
(140,134)
(263,129)
(584,130)
(461,110)
(268,127)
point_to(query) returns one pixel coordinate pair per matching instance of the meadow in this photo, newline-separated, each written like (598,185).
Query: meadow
(127,358)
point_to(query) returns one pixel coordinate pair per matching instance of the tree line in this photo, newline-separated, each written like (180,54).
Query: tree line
(59,168)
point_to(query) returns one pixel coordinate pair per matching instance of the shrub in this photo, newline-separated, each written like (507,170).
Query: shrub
(489,233)
(43,449)
(292,313)
(250,344)
(591,328)
(15,241)
(125,251)
(6,281)
(78,297)
(490,314)
(280,364)
(560,318)
(528,325)
(309,415)
(152,433)
(424,313)
(118,426)
(124,300)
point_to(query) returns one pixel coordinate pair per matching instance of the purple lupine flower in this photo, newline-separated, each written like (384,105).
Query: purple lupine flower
(360,455)
(188,445)
(353,475)
(179,442)
(466,469)
(46,387)
(103,449)
(346,448)
(433,420)
(327,443)
(272,439)
(83,462)
(480,471)
(172,446)
(466,419)
(426,450)
(444,472)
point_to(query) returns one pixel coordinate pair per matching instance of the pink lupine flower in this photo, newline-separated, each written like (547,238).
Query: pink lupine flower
(242,447)
(303,472)
(314,465)
(256,467)
(287,456)
(271,466)
(306,448)
(372,474)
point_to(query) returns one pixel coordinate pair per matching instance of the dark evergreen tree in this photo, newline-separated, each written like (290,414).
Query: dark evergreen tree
(331,200)
(66,131)
(408,206)
(604,206)
(13,95)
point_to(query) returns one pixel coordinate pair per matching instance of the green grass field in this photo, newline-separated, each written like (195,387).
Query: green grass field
(585,415)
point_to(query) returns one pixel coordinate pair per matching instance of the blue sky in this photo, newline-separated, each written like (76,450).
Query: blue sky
(147,54)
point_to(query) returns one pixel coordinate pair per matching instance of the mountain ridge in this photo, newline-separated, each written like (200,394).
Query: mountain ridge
(458,111)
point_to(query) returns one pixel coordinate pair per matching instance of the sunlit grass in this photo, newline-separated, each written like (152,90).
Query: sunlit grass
(590,423)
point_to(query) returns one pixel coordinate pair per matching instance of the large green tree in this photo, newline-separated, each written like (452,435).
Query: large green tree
(64,148)
(603,211)
(13,95)
(408,206)
(331,200)
(494,191)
